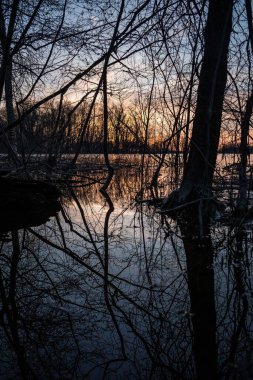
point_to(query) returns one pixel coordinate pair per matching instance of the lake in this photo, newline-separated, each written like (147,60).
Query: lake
(111,288)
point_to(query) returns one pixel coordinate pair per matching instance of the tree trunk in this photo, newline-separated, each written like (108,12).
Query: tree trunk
(6,77)
(199,170)
(9,106)
(242,202)
(12,136)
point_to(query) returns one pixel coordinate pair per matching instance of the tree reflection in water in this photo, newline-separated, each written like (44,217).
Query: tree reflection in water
(108,290)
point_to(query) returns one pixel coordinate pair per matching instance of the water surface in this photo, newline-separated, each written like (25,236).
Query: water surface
(111,288)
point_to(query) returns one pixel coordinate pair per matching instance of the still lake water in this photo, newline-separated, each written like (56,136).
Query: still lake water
(112,289)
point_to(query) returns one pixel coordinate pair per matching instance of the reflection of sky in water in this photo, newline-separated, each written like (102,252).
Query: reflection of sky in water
(114,301)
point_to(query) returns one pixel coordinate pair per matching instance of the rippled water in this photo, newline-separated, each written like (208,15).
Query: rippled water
(113,289)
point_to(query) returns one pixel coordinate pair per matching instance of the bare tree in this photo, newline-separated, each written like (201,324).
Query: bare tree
(199,170)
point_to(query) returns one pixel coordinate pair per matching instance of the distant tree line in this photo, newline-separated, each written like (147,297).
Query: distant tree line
(45,131)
